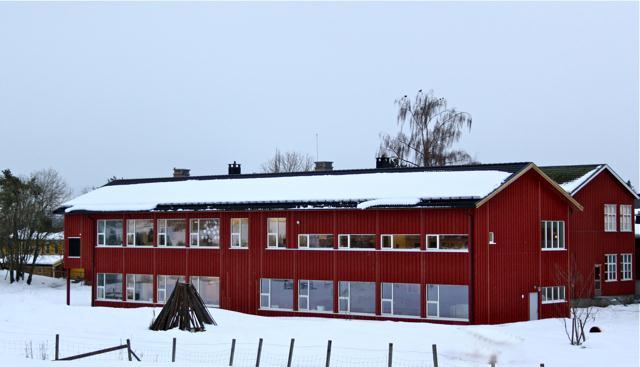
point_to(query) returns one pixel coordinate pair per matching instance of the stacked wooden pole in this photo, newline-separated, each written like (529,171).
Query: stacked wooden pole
(184,309)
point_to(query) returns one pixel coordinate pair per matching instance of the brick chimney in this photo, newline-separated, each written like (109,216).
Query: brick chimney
(235,168)
(181,172)
(324,166)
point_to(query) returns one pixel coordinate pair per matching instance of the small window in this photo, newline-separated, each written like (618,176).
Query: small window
(277,232)
(172,232)
(610,217)
(448,242)
(239,233)
(552,235)
(74,247)
(316,241)
(109,232)
(492,238)
(140,232)
(357,241)
(554,294)
(625,264)
(205,233)
(625,218)
(400,241)
(610,267)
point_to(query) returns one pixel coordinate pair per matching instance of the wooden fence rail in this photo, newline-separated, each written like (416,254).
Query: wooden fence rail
(126,346)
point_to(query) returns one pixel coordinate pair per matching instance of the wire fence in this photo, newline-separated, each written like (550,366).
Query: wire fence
(233,353)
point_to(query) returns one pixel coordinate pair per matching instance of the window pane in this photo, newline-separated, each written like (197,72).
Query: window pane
(401,241)
(144,288)
(543,234)
(386,241)
(244,234)
(209,290)
(432,309)
(101,225)
(432,242)
(363,241)
(362,298)
(344,289)
(432,292)
(113,232)
(209,232)
(343,305)
(454,242)
(406,299)
(113,286)
(303,240)
(282,232)
(321,241)
(386,290)
(303,304)
(272,240)
(235,225)
(176,232)
(321,295)
(454,301)
(272,225)
(343,241)
(303,288)
(282,294)
(386,307)
(264,285)
(143,232)
(264,301)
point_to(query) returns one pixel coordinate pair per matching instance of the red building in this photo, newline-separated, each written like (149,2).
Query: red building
(466,244)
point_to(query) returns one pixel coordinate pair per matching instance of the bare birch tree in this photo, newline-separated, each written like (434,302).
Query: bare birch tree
(289,161)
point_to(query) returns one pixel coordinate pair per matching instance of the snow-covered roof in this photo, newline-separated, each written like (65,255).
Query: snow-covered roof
(573,178)
(393,188)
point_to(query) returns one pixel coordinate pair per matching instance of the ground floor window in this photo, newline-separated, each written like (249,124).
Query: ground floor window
(625,263)
(315,295)
(357,297)
(109,286)
(208,288)
(553,294)
(166,285)
(140,287)
(276,294)
(447,301)
(610,267)
(400,299)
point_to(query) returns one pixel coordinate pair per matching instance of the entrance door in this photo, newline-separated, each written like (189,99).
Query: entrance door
(533,306)
(597,281)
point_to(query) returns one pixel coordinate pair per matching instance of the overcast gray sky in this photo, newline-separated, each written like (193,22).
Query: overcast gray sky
(133,90)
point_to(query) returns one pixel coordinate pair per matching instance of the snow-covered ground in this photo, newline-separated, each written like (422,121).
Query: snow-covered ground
(31,316)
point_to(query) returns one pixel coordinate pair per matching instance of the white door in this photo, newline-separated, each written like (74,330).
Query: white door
(533,306)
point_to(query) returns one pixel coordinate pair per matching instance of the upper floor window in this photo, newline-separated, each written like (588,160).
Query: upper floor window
(610,267)
(400,241)
(552,235)
(139,232)
(609,217)
(239,232)
(172,232)
(625,263)
(357,241)
(625,218)
(205,232)
(74,247)
(110,232)
(322,241)
(448,242)
(277,232)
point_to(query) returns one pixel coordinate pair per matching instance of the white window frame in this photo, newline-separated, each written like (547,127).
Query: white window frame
(308,295)
(308,235)
(103,287)
(437,303)
(348,247)
(238,235)
(437,249)
(132,288)
(272,234)
(268,294)
(561,244)
(626,218)
(492,238)
(392,242)
(553,294)
(346,298)
(197,233)
(390,300)
(611,268)
(104,234)
(162,231)
(133,233)
(626,267)
(610,220)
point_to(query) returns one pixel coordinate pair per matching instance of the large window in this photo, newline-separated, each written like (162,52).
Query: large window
(609,217)
(625,218)
(109,286)
(357,241)
(172,232)
(357,297)
(208,288)
(322,241)
(239,232)
(205,233)
(400,241)
(553,294)
(448,242)
(400,299)
(276,294)
(552,235)
(315,295)
(625,264)
(447,302)
(140,287)
(166,285)
(140,232)
(110,232)
(277,232)
(610,267)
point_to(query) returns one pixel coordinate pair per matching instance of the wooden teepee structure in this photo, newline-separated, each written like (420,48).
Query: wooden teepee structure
(184,309)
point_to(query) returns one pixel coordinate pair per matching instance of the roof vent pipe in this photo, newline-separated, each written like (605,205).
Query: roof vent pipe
(324,166)
(234,168)
(181,172)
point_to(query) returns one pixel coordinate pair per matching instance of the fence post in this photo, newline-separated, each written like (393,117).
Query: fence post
(434,351)
(328,354)
(233,350)
(173,350)
(291,352)
(57,355)
(129,349)
(390,354)
(259,353)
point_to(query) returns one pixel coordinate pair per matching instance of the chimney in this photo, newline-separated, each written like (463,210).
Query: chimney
(385,162)
(234,168)
(324,166)
(181,172)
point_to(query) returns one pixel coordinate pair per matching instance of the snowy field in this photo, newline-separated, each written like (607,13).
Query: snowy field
(31,316)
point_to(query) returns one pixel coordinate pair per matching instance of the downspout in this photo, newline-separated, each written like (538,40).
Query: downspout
(471,267)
